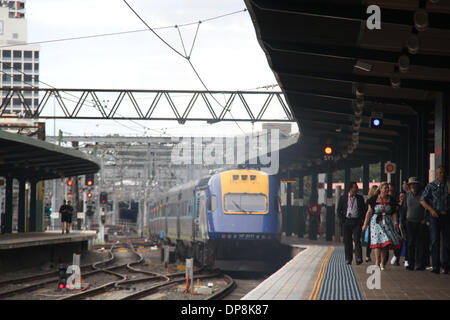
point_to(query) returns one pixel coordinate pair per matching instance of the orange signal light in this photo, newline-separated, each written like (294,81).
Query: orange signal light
(328,150)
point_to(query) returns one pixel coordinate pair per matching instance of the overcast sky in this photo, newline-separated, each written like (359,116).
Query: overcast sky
(226,54)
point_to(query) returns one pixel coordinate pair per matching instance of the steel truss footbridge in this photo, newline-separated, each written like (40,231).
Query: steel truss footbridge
(122,104)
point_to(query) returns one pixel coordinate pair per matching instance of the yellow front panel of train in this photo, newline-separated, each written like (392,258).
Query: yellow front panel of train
(245,192)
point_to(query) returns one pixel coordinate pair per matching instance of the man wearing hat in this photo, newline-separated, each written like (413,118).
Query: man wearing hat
(413,217)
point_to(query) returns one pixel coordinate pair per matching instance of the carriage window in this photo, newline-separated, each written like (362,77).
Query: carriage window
(245,202)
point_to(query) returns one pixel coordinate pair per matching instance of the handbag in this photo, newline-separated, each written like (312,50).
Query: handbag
(366,237)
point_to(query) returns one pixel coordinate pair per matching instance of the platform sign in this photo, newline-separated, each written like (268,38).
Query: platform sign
(314,209)
(390,168)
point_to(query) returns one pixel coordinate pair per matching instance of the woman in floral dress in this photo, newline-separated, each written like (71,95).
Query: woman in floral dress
(384,231)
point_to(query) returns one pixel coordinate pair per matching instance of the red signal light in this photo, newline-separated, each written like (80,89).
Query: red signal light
(61,285)
(69,195)
(89,182)
(67,286)
(89,195)
(69,182)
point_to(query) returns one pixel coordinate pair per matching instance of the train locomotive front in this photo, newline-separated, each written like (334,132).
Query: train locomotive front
(244,219)
(230,217)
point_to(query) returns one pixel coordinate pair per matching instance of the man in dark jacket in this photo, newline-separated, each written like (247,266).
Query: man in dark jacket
(351,210)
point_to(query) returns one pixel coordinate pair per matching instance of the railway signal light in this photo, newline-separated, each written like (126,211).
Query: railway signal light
(89,180)
(62,278)
(89,211)
(69,182)
(328,150)
(89,195)
(103,197)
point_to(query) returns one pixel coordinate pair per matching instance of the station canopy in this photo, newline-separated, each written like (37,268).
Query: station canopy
(23,157)
(337,74)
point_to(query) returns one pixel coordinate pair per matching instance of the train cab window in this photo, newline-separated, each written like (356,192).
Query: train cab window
(245,202)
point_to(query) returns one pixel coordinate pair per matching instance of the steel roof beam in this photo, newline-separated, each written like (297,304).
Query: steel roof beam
(355,11)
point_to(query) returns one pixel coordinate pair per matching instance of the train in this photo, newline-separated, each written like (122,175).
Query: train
(233,215)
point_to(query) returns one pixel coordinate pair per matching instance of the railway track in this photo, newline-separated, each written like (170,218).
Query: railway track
(119,277)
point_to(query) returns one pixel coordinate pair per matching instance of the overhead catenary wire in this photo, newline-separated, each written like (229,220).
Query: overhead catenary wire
(151,29)
(120,32)
(185,57)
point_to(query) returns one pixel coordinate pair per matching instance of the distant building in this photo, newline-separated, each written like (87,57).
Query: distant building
(19,64)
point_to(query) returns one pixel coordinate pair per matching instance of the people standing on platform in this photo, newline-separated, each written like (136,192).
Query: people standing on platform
(373,192)
(405,186)
(382,219)
(69,213)
(350,211)
(62,213)
(412,216)
(66,211)
(402,229)
(397,252)
(435,200)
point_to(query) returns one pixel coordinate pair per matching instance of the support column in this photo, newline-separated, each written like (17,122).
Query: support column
(301,209)
(313,219)
(413,152)
(422,158)
(441,119)
(366,180)
(314,193)
(383,176)
(346,179)
(403,166)
(22,215)
(288,210)
(330,207)
(9,205)
(33,213)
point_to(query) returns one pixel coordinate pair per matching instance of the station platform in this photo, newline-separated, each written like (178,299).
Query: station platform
(319,272)
(31,249)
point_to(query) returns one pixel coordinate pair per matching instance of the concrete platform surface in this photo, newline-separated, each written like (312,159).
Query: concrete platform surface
(320,272)
(29,239)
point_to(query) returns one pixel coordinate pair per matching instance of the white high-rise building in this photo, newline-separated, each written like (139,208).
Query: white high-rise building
(19,62)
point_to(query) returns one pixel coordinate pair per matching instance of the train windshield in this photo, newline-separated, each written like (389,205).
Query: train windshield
(245,202)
